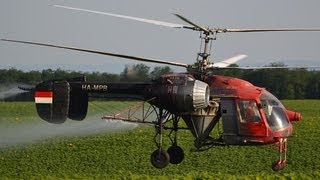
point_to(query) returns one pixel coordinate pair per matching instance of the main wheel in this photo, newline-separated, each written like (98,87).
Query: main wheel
(160,158)
(176,154)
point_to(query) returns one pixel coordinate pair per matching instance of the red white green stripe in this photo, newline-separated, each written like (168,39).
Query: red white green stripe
(43,97)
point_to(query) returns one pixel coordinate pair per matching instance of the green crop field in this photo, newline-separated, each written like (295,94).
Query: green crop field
(125,153)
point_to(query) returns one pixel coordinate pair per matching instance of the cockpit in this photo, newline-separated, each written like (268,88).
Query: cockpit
(255,118)
(272,108)
(254,115)
(274,111)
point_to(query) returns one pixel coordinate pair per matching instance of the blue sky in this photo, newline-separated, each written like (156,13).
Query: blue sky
(37,20)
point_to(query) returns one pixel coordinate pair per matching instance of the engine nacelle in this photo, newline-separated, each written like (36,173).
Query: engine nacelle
(181,93)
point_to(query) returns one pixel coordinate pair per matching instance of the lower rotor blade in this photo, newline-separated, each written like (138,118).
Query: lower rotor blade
(101,52)
(228,62)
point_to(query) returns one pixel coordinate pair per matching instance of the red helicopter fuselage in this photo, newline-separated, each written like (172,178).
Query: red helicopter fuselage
(250,114)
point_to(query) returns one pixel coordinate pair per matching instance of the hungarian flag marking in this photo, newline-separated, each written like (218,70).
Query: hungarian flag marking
(43,97)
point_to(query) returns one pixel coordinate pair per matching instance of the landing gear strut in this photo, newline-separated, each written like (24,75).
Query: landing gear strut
(283,145)
(160,158)
(176,153)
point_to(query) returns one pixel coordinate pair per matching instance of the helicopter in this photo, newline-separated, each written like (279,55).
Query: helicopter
(250,115)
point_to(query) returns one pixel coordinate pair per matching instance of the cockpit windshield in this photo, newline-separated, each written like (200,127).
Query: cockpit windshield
(274,111)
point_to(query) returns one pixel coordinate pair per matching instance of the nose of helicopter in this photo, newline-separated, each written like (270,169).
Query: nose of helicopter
(293,116)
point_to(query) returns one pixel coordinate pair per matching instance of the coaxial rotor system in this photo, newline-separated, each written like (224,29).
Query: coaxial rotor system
(203,64)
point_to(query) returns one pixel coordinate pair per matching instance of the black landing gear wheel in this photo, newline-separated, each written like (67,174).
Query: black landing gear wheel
(176,154)
(160,158)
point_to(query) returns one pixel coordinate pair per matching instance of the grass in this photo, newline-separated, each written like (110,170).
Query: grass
(16,111)
(126,154)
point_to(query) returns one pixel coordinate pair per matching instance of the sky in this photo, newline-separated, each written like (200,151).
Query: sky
(39,21)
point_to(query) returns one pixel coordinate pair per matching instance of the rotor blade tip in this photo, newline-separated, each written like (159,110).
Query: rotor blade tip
(55,5)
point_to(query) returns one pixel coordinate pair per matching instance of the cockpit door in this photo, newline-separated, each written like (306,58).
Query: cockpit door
(229,116)
(229,120)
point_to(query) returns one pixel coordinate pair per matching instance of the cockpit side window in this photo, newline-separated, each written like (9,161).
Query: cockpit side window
(249,112)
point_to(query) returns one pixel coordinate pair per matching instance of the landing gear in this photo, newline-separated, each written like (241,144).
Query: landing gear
(176,154)
(283,145)
(160,158)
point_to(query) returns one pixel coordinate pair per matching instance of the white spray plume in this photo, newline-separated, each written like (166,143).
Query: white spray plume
(31,132)
(10,91)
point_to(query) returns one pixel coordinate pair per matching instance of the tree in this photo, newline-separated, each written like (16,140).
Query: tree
(12,75)
(47,74)
(284,83)
(31,77)
(137,72)
(313,85)
(159,71)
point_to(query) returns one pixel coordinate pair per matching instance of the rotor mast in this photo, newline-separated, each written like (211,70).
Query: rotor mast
(203,56)
(199,69)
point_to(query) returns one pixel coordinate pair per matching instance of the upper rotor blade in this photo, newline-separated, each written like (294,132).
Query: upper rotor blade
(160,23)
(175,25)
(193,24)
(102,53)
(263,30)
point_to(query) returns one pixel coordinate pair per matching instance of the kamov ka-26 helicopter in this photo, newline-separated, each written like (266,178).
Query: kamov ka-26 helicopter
(250,115)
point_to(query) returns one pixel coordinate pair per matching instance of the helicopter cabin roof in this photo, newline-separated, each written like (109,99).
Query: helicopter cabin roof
(223,86)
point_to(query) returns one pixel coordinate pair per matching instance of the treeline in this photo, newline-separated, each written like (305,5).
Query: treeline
(283,83)
(138,72)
